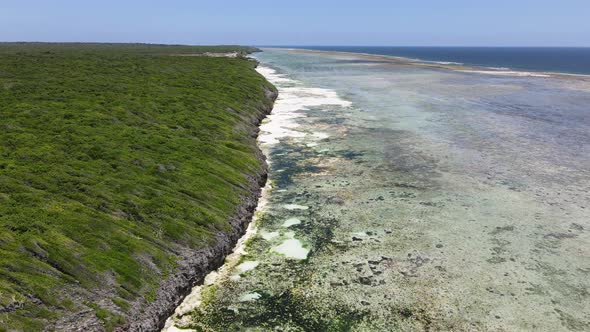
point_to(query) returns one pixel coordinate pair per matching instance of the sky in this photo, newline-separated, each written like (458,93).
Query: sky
(301,22)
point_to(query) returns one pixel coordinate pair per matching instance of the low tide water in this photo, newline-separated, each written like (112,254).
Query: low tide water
(413,198)
(572,60)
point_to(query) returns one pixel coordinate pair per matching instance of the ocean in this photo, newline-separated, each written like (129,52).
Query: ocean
(405,197)
(571,60)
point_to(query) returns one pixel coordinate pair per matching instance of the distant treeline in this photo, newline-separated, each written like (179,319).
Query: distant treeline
(119,48)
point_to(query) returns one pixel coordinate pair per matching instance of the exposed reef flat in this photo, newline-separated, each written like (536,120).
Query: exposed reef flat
(432,200)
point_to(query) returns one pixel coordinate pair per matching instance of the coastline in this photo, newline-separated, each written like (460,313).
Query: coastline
(374,205)
(281,124)
(229,260)
(295,99)
(457,67)
(193,299)
(156,200)
(197,267)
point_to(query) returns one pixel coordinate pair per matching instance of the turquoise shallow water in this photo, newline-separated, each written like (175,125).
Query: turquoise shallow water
(414,198)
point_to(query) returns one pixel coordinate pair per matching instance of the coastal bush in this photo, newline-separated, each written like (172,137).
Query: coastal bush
(112,159)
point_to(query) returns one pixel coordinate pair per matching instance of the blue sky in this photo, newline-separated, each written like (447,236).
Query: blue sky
(301,22)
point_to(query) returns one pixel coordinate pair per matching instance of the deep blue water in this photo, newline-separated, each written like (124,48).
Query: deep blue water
(546,59)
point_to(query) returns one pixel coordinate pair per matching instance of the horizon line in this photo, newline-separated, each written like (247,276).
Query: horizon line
(287,45)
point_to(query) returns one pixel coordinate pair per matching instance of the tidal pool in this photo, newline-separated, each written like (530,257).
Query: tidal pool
(291,222)
(426,199)
(291,248)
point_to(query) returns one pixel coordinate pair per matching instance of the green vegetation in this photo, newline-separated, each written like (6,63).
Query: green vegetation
(116,49)
(112,158)
(287,311)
